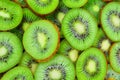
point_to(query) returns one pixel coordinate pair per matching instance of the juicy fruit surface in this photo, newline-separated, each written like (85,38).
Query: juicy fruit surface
(10,53)
(10,15)
(79,28)
(91,65)
(59,39)
(58,68)
(38,40)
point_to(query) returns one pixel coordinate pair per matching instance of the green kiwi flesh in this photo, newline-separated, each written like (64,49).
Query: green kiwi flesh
(43,7)
(10,15)
(18,73)
(58,68)
(10,51)
(110,20)
(79,28)
(38,40)
(67,50)
(91,65)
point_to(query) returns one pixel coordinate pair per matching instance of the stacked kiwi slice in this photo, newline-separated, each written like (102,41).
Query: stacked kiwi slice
(59,39)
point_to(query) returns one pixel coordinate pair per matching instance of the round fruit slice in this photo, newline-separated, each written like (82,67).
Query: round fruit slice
(91,65)
(79,28)
(74,3)
(58,68)
(43,6)
(18,73)
(115,57)
(41,39)
(110,19)
(67,50)
(10,51)
(10,15)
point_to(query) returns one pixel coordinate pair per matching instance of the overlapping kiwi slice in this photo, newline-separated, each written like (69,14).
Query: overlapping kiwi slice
(91,65)
(111,74)
(79,28)
(21,2)
(28,18)
(58,68)
(41,39)
(10,51)
(74,3)
(115,57)
(110,19)
(43,7)
(18,73)
(28,61)
(10,15)
(67,50)
(94,7)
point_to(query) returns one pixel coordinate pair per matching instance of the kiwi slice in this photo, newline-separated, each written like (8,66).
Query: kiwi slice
(10,50)
(10,15)
(111,21)
(79,28)
(67,50)
(43,7)
(28,18)
(91,65)
(111,74)
(18,73)
(94,7)
(115,56)
(74,3)
(41,39)
(58,68)
(29,62)
(21,2)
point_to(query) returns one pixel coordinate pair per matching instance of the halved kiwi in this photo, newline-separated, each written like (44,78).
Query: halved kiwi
(41,39)
(58,68)
(110,19)
(115,57)
(79,28)
(74,3)
(67,50)
(43,7)
(28,61)
(111,74)
(10,15)
(18,73)
(10,51)
(91,65)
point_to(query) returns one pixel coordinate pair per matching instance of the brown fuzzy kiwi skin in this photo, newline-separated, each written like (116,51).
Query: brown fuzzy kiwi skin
(58,44)
(42,15)
(20,4)
(110,79)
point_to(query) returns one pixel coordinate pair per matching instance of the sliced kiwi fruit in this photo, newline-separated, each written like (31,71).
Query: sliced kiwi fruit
(102,42)
(111,74)
(41,39)
(28,61)
(21,2)
(91,65)
(43,7)
(115,57)
(67,50)
(10,15)
(74,3)
(79,28)
(10,50)
(18,73)
(28,18)
(94,7)
(111,21)
(58,68)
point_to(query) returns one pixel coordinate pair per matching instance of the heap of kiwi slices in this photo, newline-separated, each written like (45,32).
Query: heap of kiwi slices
(59,39)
